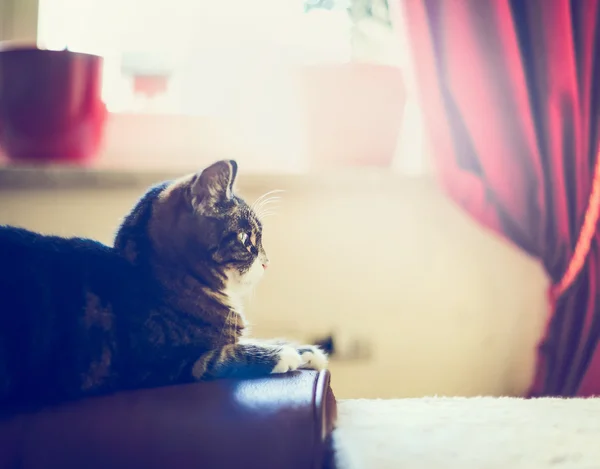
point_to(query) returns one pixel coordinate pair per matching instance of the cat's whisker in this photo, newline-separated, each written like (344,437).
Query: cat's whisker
(266,205)
(268,195)
(260,213)
(269,211)
(265,195)
(266,202)
(258,201)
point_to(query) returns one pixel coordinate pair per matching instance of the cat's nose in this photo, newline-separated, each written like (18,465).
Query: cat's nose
(265,264)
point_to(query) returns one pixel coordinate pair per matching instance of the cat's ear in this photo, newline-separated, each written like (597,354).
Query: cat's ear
(214,183)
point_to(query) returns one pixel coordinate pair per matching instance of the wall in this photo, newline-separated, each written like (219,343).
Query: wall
(18,20)
(448,308)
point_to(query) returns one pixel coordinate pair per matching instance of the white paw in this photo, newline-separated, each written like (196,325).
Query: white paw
(313,358)
(289,360)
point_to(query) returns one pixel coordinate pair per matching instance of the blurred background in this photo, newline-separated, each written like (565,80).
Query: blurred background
(315,98)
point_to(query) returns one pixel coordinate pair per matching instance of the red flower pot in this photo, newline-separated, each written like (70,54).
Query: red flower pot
(51,108)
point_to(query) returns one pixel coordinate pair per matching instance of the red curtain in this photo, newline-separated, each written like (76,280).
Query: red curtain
(511,97)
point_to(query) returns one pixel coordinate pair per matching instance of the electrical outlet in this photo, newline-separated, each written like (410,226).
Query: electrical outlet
(346,347)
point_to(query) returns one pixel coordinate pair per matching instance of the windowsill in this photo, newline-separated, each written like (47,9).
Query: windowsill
(183,144)
(68,178)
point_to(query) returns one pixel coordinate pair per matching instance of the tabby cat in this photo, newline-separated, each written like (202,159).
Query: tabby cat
(163,306)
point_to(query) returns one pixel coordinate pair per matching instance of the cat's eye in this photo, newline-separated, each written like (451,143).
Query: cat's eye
(243,237)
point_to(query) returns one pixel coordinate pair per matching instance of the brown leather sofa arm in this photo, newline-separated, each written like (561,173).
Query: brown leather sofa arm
(281,421)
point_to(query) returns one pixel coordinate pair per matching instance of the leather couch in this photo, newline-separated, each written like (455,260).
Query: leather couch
(282,421)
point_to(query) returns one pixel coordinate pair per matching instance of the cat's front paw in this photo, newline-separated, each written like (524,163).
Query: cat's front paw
(289,359)
(313,358)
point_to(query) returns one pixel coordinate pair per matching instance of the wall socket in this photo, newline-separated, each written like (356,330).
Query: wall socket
(345,347)
(340,345)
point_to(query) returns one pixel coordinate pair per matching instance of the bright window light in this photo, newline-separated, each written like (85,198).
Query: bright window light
(186,56)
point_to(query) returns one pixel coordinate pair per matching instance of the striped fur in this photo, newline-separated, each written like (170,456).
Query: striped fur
(163,306)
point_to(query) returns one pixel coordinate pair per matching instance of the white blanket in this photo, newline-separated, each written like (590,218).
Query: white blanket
(468,433)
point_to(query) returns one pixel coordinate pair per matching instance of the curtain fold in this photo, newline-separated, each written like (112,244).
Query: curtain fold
(510,91)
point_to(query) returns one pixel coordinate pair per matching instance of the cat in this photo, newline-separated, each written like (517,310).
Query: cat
(162,306)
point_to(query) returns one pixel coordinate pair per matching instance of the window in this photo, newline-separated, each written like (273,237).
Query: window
(221,76)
